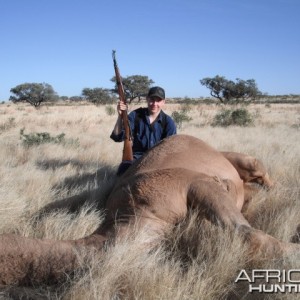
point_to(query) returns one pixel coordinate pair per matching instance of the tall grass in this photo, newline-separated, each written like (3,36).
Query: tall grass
(196,260)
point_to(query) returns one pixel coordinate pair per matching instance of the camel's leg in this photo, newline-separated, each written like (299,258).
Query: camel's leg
(25,260)
(249,168)
(215,201)
(250,190)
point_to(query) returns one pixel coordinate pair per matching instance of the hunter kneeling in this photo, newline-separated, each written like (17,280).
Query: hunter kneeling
(148,125)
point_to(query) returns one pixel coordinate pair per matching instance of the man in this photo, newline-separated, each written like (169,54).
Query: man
(148,125)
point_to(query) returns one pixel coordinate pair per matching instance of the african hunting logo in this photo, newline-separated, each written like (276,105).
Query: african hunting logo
(271,281)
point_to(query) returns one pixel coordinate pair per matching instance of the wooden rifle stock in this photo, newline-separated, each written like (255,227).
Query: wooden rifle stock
(127,149)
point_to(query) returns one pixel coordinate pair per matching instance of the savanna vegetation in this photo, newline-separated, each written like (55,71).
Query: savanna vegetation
(135,86)
(228,91)
(64,152)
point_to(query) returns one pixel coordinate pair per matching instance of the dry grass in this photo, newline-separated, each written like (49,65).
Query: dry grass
(197,260)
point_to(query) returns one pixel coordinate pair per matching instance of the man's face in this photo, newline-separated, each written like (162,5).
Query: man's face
(155,104)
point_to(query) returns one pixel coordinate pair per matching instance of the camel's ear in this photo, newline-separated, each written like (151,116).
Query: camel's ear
(253,164)
(259,166)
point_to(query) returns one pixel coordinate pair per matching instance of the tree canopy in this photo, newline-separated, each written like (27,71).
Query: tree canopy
(227,90)
(135,86)
(97,95)
(33,93)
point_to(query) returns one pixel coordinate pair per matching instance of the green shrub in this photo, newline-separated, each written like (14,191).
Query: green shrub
(241,117)
(237,117)
(296,126)
(10,123)
(110,110)
(222,118)
(185,108)
(181,116)
(38,138)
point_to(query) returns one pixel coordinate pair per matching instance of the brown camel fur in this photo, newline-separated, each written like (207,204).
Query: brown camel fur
(179,174)
(249,168)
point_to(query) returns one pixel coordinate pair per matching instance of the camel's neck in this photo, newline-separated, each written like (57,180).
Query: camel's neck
(95,241)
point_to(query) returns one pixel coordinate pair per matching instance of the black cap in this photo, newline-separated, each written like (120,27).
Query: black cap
(156,91)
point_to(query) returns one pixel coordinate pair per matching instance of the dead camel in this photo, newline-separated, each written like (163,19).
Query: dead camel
(179,174)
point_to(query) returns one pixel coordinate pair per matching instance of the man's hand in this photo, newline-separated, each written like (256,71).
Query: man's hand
(121,107)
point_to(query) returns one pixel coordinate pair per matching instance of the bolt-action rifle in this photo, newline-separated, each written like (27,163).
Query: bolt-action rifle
(127,149)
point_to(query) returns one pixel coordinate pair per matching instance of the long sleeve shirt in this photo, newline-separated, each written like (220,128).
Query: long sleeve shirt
(146,135)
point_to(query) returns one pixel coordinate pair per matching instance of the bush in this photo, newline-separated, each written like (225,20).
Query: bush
(222,118)
(181,116)
(296,126)
(110,110)
(241,117)
(7,125)
(34,139)
(185,108)
(238,117)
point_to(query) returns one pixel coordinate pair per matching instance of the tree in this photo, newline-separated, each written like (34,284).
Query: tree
(97,95)
(135,86)
(228,90)
(64,98)
(33,93)
(75,98)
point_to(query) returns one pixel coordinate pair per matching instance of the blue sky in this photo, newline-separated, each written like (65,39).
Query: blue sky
(68,43)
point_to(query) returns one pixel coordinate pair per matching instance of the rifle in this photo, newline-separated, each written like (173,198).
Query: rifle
(127,149)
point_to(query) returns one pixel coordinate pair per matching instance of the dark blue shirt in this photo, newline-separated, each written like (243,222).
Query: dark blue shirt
(146,135)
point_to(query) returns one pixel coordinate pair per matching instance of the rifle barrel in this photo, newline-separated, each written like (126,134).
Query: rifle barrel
(127,149)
